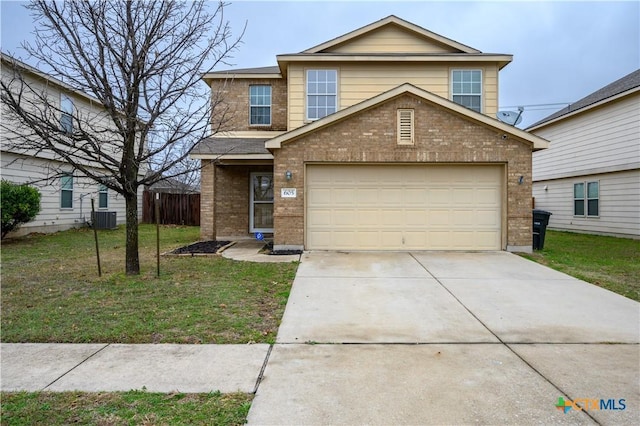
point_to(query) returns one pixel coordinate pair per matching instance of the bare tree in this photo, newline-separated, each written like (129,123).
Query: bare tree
(142,61)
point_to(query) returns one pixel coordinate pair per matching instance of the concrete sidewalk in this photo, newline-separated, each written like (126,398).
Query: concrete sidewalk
(117,367)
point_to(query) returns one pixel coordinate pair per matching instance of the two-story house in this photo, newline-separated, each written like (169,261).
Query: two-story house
(65,194)
(381,139)
(589,178)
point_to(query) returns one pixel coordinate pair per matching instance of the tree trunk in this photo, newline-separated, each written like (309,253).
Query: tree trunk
(132,259)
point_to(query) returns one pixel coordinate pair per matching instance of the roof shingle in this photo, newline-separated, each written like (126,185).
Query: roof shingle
(621,85)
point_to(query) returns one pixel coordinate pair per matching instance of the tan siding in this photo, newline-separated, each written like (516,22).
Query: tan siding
(605,138)
(391,39)
(19,169)
(361,81)
(619,204)
(24,167)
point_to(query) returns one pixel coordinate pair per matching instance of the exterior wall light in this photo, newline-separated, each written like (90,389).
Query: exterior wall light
(288,175)
(520,180)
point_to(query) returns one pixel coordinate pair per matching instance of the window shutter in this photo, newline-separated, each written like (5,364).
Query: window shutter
(405,127)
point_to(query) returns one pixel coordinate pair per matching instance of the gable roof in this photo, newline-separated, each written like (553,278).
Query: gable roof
(391,20)
(441,49)
(621,87)
(536,141)
(19,66)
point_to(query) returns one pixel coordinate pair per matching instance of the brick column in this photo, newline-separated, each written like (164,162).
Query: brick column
(207,200)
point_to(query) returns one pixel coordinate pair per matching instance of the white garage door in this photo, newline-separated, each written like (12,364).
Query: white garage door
(393,207)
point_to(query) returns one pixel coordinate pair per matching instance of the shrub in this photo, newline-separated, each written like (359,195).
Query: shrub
(20,204)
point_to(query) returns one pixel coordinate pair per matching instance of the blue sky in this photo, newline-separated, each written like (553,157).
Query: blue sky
(563,50)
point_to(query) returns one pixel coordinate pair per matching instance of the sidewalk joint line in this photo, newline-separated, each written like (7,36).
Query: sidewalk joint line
(506,345)
(77,365)
(264,366)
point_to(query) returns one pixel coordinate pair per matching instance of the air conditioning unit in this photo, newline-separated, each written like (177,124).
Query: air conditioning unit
(104,220)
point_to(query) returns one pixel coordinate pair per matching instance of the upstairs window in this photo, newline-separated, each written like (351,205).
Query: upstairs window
(260,105)
(103,197)
(66,114)
(66,192)
(586,202)
(466,88)
(322,93)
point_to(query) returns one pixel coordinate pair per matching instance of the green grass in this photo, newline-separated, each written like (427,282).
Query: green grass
(124,408)
(51,292)
(609,262)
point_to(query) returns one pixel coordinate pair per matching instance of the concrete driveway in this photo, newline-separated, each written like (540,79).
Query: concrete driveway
(448,338)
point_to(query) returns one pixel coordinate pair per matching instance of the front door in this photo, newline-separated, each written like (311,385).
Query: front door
(261,205)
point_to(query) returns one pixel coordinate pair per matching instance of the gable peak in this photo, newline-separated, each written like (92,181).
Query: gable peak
(412,30)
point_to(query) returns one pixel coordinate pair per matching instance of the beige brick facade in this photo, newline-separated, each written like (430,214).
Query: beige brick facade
(441,136)
(235,94)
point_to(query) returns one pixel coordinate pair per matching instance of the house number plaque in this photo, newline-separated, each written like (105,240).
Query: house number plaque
(288,192)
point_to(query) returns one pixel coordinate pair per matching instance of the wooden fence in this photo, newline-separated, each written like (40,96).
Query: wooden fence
(175,209)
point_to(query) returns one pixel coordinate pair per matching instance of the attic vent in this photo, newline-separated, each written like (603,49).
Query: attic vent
(405,127)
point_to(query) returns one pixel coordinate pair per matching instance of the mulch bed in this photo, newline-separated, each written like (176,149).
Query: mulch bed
(212,247)
(269,249)
(201,247)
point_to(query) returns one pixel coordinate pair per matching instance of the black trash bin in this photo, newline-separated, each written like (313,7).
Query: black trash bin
(540,222)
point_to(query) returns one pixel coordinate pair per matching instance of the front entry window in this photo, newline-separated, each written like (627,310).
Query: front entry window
(261,213)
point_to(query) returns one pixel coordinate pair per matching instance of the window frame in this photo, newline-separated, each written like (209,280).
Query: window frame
(253,202)
(67,109)
(103,190)
(479,94)
(585,199)
(66,186)
(251,105)
(307,96)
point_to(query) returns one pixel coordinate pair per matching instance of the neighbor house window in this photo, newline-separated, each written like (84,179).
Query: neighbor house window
(66,114)
(103,197)
(586,199)
(66,192)
(322,93)
(260,105)
(466,88)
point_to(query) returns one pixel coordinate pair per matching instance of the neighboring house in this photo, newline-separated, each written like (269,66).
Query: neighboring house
(66,199)
(380,139)
(172,186)
(589,178)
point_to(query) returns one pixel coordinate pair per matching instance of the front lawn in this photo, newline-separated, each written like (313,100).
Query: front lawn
(611,263)
(51,292)
(123,408)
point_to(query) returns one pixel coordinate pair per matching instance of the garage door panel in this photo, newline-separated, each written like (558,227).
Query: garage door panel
(486,218)
(366,196)
(319,217)
(344,217)
(391,239)
(319,196)
(368,217)
(487,196)
(388,207)
(463,218)
(415,240)
(392,218)
(416,218)
(439,196)
(439,217)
